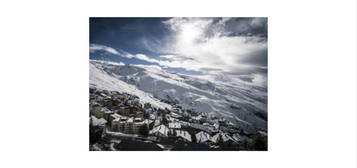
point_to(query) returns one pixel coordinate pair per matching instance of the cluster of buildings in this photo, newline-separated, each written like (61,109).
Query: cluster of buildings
(124,113)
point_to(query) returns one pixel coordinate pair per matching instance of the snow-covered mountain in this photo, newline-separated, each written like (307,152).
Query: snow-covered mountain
(242,103)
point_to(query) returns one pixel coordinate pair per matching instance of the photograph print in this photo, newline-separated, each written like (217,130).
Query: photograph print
(178,84)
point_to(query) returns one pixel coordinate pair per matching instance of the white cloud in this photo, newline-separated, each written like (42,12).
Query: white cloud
(171,60)
(111,63)
(149,66)
(208,44)
(170,57)
(97,47)
(178,24)
(145,58)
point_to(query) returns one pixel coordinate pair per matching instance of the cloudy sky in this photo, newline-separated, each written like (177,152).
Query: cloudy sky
(194,46)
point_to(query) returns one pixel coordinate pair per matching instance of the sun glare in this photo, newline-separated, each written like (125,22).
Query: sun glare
(189,33)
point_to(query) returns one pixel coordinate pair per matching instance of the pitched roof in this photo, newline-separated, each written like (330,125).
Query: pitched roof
(162,129)
(183,134)
(222,136)
(203,137)
(98,122)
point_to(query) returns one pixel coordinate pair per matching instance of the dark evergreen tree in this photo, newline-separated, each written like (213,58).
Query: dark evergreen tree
(144,130)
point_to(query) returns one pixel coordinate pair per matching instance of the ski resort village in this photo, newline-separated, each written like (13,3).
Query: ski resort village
(119,121)
(123,117)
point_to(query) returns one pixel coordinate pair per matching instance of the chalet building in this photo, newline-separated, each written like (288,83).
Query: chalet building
(118,124)
(97,122)
(116,102)
(183,135)
(140,115)
(107,102)
(223,138)
(113,117)
(97,111)
(94,106)
(133,109)
(174,125)
(138,122)
(107,113)
(127,125)
(204,137)
(124,111)
(160,130)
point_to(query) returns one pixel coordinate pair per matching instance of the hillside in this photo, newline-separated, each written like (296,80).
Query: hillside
(244,104)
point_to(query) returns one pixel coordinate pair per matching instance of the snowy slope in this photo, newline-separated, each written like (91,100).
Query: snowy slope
(101,79)
(243,104)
